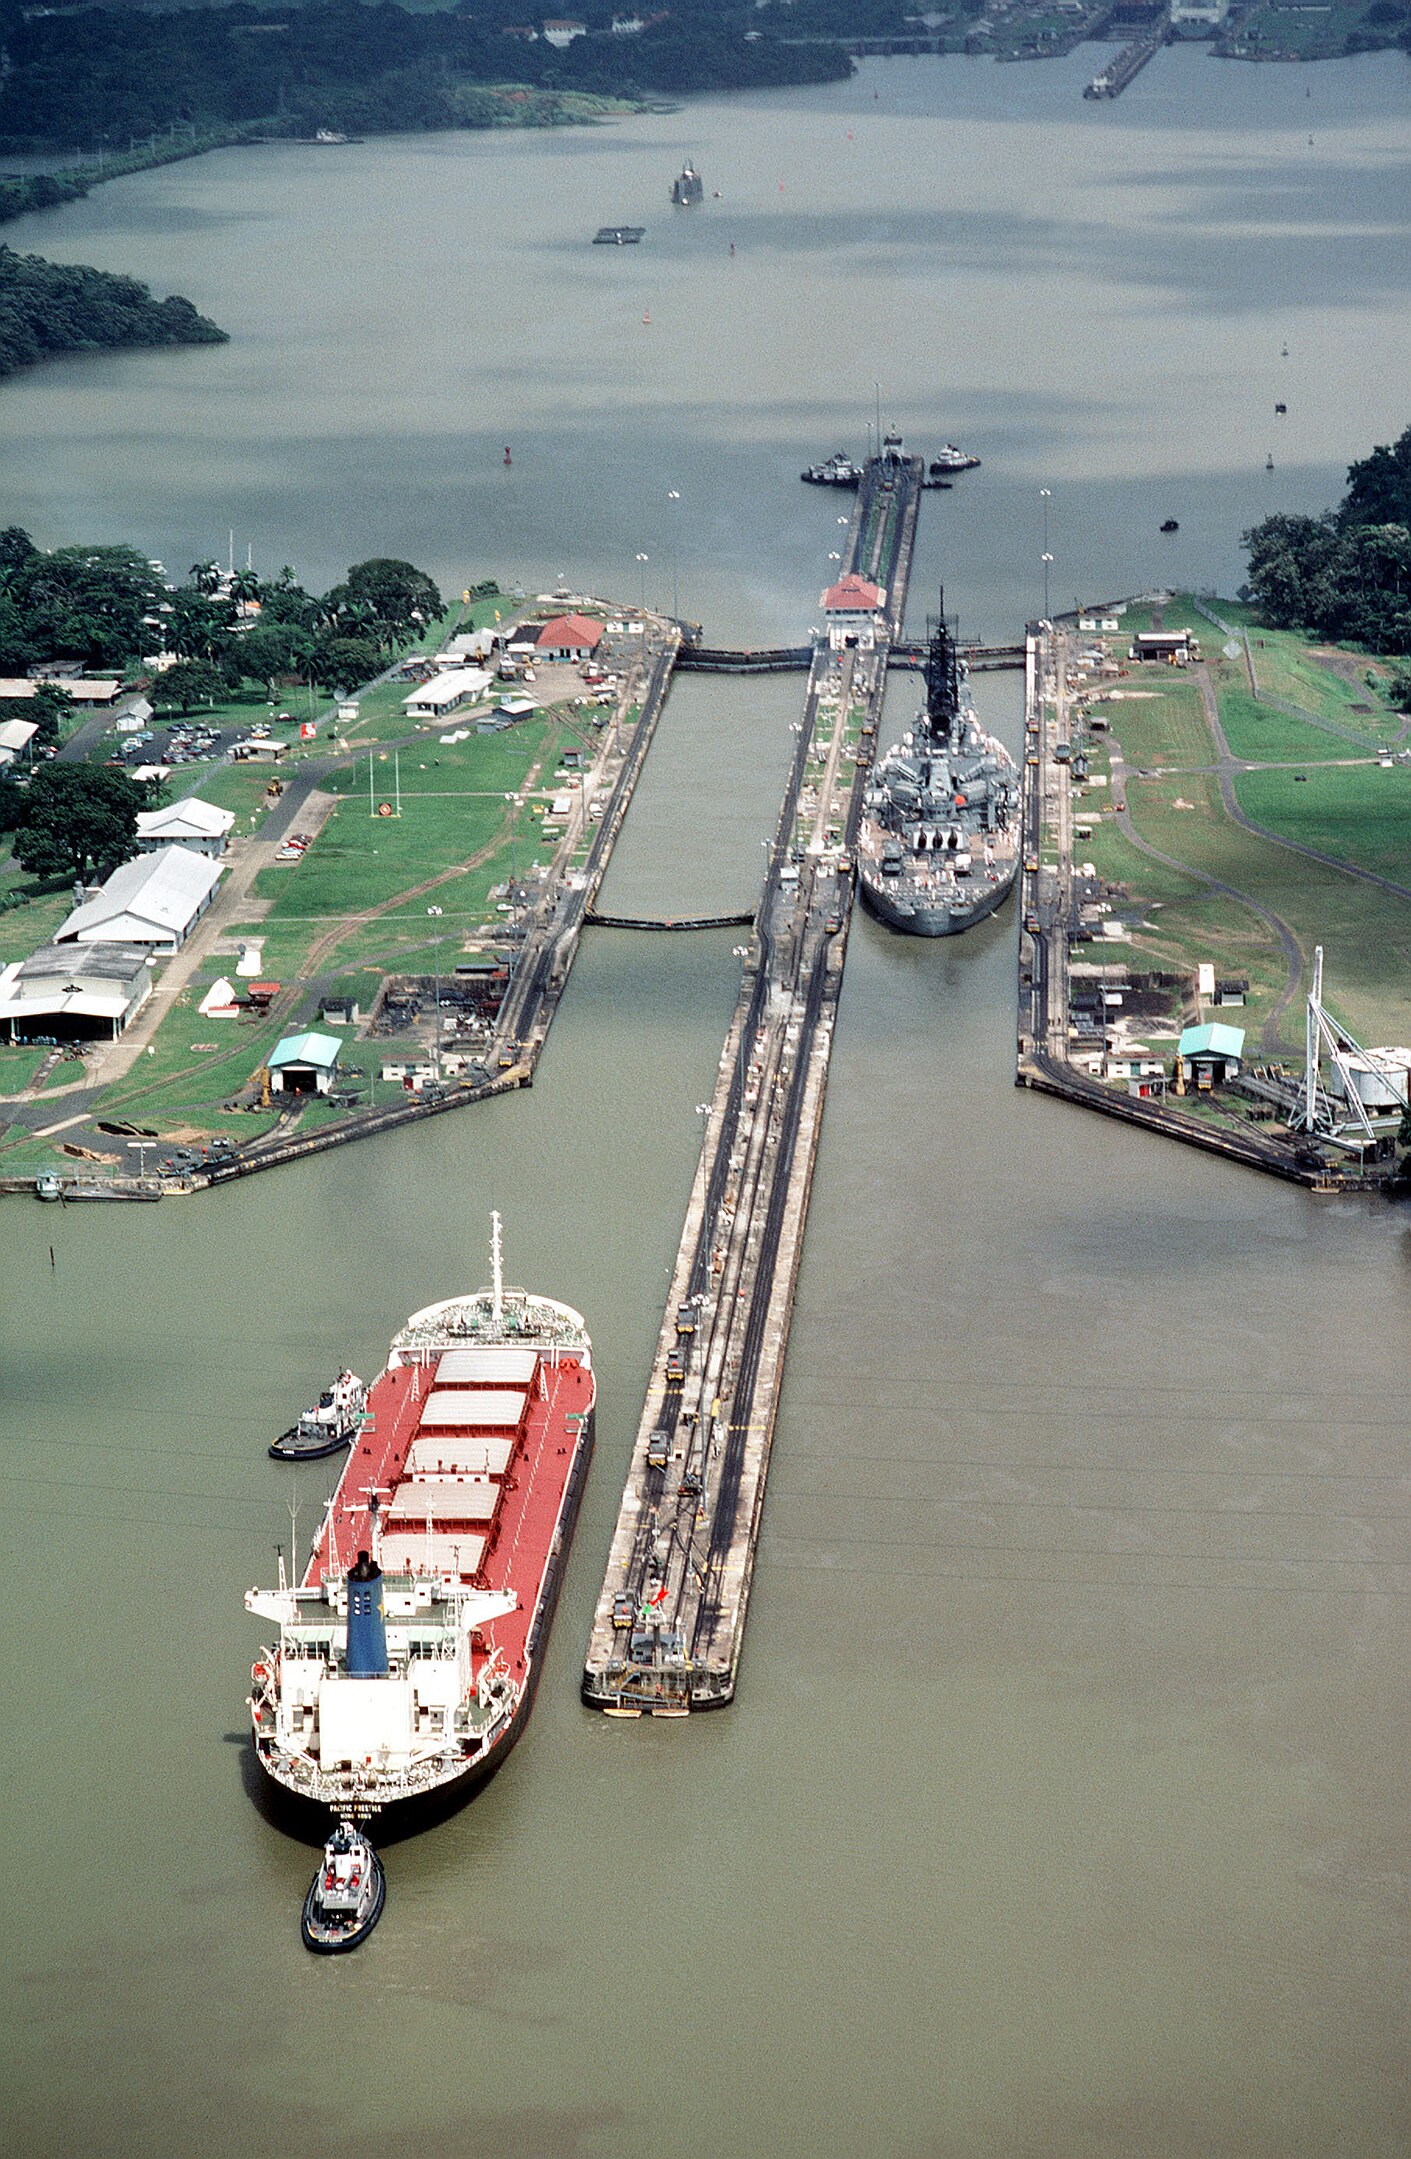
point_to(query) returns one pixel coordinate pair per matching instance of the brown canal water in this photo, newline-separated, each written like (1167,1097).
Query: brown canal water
(1062,1814)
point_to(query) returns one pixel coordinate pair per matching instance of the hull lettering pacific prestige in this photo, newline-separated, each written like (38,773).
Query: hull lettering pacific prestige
(406,1659)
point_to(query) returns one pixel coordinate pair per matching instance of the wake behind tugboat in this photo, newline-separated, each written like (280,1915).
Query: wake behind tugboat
(947,792)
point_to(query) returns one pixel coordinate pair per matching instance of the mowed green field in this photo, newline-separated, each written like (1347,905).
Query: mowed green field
(1346,806)
(1365,932)
(1159,720)
(1261,734)
(1360,813)
(1328,684)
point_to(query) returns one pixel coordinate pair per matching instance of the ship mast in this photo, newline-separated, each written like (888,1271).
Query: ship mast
(497,1269)
(942,676)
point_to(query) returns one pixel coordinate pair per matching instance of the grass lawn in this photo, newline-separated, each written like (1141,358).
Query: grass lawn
(1310,33)
(1286,667)
(453,805)
(18,1067)
(178,1077)
(1165,728)
(1262,734)
(1181,613)
(42,908)
(1366,933)
(1360,813)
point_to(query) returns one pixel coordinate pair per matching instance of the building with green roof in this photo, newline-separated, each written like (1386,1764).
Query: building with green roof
(303,1064)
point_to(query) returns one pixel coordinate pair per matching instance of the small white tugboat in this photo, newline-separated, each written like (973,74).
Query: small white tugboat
(334,1422)
(346,1895)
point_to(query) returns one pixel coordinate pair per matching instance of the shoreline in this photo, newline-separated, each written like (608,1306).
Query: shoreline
(22,194)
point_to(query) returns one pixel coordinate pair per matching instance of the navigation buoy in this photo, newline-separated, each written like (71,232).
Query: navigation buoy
(849,134)
(1269,462)
(508,459)
(646,314)
(732,247)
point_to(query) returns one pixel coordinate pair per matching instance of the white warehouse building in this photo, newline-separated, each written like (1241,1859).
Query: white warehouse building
(154,900)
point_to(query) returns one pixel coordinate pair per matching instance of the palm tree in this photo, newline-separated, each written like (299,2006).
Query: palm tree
(205,576)
(245,585)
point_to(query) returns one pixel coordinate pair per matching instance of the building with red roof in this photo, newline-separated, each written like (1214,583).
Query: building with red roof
(851,608)
(569,637)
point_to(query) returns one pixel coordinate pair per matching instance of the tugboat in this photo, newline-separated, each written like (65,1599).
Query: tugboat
(687,187)
(835,471)
(346,1895)
(332,1424)
(949,458)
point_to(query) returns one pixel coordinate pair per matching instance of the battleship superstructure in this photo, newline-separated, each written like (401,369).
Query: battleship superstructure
(938,846)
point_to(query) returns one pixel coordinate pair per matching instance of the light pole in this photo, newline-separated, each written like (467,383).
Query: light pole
(436,962)
(1045,494)
(642,561)
(673,494)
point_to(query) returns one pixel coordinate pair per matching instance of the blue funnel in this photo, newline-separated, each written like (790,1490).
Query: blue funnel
(367,1626)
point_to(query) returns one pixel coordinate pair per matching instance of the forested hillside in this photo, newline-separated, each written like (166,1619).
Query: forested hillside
(49,307)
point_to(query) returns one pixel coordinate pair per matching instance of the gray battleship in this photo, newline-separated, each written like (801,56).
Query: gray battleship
(938,846)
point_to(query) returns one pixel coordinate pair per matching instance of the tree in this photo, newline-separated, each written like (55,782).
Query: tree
(205,576)
(289,602)
(1379,486)
(272,649)
(1287,555)
(79,821)
(339,663)
(17,647)
(198,628)
(49,707)
(401,596)
(1399,686)
(13,794)
(190,682)
(16,548)
(92,604)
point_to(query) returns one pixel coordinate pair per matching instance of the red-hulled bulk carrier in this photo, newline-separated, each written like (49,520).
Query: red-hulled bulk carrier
(407,1657)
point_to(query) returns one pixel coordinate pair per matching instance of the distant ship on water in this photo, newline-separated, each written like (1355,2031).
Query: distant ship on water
(688,186)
